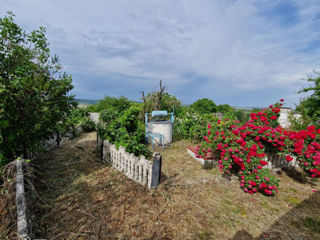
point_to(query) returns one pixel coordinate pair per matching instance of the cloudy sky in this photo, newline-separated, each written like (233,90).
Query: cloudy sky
(243,53)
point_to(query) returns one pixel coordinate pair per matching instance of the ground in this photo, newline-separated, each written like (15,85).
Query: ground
(82,198)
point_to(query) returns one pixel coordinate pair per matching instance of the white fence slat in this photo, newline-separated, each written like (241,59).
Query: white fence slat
(137,169)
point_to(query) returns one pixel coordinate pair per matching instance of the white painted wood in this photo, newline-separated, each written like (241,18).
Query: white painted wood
(137,169)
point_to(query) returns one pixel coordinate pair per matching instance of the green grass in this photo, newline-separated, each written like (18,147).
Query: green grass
(294,201)
(312,223)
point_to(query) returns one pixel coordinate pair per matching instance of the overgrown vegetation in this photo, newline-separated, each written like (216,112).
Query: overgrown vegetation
(309,106)
(33,90)
(123,128)
(204,105)
(123,120)
(159,99)
(119,104)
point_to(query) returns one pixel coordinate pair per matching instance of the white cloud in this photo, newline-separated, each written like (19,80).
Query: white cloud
(236,45)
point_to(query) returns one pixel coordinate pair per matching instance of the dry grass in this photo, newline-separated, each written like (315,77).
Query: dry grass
(89,200)
(8,210)
(7,199)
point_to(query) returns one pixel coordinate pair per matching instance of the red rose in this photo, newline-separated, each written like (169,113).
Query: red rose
(289,158)
(263,163)
(262,185)
(311,128)
(267,191)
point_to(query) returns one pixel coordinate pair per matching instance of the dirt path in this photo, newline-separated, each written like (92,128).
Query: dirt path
(85,199)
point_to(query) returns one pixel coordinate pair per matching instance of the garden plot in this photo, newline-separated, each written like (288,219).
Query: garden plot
(85,199)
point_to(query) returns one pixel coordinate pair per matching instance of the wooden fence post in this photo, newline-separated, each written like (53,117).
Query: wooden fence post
(58,138)
(101,150)
(22,222)
(156,169)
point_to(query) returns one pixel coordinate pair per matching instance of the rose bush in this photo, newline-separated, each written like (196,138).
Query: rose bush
(243,149)
(305,146)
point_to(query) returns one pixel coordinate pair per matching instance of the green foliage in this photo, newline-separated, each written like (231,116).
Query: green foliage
(120,104)
(312,223)
(109,115)
(204,105)
(192,126)
(79,116)
(310,106)
(125,129)
(91,108)
(242,116)
(224,108)
(33,90)
(76,116)
(297,124)
(170,102)
(167,103)
(88,125)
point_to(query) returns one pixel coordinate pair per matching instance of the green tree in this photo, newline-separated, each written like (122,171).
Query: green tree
(310,106)
(120,104)
(33,90)
(224,108)
(204,105)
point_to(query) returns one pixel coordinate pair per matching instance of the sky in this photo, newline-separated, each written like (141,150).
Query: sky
(242,53)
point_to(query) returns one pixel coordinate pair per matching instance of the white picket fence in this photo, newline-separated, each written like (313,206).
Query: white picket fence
(138,169)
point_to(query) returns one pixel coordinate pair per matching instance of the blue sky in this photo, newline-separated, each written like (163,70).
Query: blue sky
(243,53)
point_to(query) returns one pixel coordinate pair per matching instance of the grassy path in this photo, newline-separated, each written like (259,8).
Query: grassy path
(85,199)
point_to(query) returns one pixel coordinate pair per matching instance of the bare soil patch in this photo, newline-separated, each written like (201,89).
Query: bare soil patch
(86,199)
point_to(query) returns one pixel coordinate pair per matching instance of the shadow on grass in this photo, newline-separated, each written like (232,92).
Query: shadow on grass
(302,222)
(56,174)
(299,175)
(87,199)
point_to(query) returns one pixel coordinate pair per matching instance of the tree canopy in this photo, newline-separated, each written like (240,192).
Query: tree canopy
(33,90)
(204,105)
(224,108)
(119,104)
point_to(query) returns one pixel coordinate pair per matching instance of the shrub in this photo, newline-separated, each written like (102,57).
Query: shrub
(242,148)
(120,104)
(204,105)
(192,126)
(88,125)
(33,91)
(125,130)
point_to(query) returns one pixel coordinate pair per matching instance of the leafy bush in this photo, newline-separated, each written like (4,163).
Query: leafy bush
(125,129)
(204,105)
(224,108)
(120,104)
(87,124)
(190,127)
(33,90)
(242,116)
(309,106)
